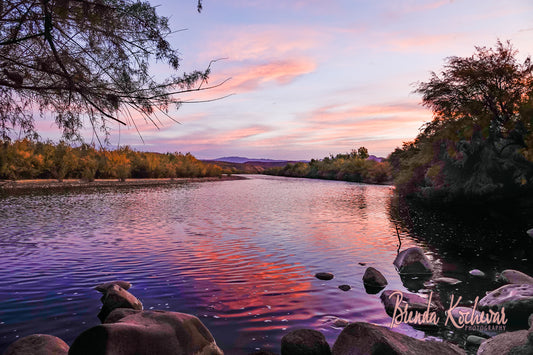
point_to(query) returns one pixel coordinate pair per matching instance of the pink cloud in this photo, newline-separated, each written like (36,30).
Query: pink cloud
(263,42)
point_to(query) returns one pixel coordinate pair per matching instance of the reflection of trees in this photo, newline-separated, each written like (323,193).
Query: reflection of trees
(478,235)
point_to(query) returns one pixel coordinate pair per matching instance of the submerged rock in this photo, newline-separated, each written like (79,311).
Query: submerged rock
(374,278)
(515,343)
(147,333)
(515,277)
(516,300)
(447,281)
(413,261)
(364,338)
(116,297)
(304,342)
(38,344)
(324,275)
(477,273)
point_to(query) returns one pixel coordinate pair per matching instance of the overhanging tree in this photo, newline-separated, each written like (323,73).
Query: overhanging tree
(86,60)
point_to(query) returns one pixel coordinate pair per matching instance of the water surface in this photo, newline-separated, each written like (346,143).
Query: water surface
(240,255)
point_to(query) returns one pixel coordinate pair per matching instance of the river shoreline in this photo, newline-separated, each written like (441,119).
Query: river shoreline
(52,184)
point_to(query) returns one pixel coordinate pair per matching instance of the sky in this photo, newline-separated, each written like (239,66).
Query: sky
(311,78)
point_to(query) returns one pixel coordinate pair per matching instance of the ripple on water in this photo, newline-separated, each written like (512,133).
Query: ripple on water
(241,255)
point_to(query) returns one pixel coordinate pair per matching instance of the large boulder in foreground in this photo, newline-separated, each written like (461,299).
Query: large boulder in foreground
(364,339)
(304,342)
(516,343)
(116,297)
(38,344)
(413,261)
(147,333)
(515,277)
(515,299)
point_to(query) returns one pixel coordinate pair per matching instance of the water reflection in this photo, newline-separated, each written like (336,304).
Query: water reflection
(240,255)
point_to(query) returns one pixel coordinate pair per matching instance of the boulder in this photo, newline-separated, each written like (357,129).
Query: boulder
(475,340)
(515,277)
(345,287)
(324,275)
(413,261)
(515,343)
(374,278)
(363,338)
(38,344)
(103,287)
(304,342)
(147,333)
(530,232)
(530,321)
(116,297)
(517,301)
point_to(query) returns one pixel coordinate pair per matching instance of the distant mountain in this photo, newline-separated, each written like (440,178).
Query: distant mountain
(378,159)
(242,160)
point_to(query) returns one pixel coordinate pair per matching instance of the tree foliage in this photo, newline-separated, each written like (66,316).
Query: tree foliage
(354,166)
(480,141)
(83,59)
(27,159)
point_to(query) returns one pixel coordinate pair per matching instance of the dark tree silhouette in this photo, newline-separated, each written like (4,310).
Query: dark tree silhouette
(479,144)
(85,60)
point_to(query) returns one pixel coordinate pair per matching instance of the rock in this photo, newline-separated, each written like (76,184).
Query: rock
(362,263)
(413,261)
(475,340)
(147,333)
(103,287)
(324,275)
(374,278)
(477,273)
(304,342)
(345,287)
(116,297)
(530,321)
(447,281)
(515,277)
(515,343)
(530,232)
(413,301)
(363,338)
(517,301)
(340,323)
(38,344)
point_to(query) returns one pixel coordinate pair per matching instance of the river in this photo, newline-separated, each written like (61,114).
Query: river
(241,255)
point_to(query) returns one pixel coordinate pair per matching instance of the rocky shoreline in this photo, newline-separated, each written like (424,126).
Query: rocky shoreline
(128,329)
(52,184)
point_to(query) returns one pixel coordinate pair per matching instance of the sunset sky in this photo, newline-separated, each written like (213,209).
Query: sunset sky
(310,78)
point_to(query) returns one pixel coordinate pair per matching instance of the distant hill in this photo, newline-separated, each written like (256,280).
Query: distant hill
(243,160)
(378,159)
(242,165)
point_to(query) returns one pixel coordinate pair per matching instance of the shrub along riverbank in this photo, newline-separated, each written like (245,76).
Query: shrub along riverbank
(27,159)
(355,166)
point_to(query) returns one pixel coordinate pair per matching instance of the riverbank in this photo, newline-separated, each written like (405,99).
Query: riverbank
(51,184)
